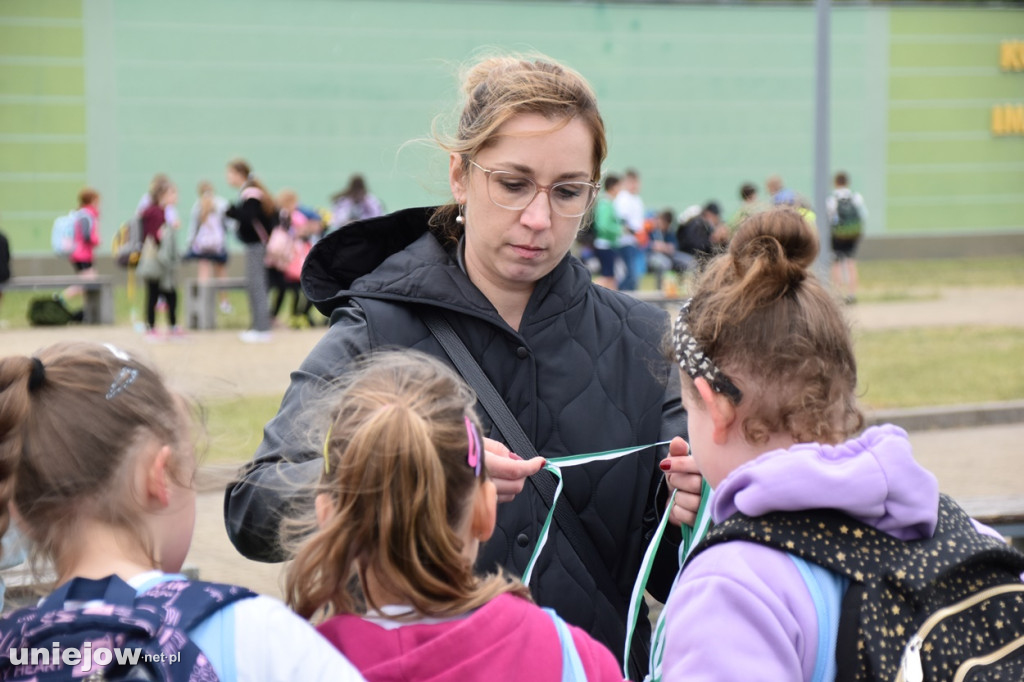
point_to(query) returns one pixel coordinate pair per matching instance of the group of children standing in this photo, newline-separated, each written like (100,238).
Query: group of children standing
(97,460)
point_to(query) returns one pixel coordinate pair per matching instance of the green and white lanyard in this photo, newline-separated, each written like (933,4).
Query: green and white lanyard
(691,536)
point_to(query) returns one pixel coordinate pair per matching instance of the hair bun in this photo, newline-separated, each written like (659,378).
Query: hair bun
(773,251)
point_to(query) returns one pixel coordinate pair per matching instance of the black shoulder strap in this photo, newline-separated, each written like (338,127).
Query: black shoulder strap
(520,443)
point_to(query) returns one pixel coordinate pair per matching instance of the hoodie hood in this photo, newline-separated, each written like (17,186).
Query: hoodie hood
(873,478)
(507,639)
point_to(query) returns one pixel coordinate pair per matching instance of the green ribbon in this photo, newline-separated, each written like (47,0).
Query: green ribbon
(691,536)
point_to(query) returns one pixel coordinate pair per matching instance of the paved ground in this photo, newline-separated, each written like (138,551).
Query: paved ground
(968,462)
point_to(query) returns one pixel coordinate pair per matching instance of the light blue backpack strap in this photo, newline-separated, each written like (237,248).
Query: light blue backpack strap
(572,666)
(827,589)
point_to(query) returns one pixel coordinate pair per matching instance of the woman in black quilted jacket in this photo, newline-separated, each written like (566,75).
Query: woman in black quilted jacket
(580,367)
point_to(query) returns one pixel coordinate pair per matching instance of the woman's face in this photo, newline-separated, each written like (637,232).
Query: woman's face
(512,249)
(233,177)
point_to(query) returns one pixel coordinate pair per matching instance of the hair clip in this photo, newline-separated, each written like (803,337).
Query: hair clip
(117,352)
(327,442)
(474,457)
(125,378)
(37,376)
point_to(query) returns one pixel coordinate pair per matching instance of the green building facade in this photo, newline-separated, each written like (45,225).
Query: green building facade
(927,100)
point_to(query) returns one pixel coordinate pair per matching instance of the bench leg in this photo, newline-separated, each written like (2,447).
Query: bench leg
(91,306)
(107,305)
(201,306)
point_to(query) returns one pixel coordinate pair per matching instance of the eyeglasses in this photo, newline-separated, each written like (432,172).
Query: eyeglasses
(515,192)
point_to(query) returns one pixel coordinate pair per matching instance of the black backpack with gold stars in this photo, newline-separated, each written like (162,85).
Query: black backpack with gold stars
(948,608)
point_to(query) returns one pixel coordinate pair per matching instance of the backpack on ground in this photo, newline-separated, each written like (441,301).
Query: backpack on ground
(62,236)
(125,636)
(848,219)
(127,244)
(48,311)
(950,607)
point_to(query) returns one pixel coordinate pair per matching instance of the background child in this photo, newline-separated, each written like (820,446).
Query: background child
(161,273)
(96,460)
(404,505)
(768,384)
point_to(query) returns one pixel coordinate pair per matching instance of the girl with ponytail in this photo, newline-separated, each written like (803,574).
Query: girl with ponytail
(403,504)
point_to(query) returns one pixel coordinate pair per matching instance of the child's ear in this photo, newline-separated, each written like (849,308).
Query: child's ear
(456,177)
(719,407)
(157,477)
(324,509)
(485,511)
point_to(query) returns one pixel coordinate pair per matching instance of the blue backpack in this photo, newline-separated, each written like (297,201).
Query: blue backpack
(116,635)
(62,237)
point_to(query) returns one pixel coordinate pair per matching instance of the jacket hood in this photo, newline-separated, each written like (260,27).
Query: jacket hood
(873,478)
(357,249)
(398,257)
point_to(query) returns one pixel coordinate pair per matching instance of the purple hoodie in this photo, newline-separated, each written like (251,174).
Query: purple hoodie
(741,611)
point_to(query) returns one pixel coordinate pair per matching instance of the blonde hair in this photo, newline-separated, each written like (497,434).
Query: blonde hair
(71,419)
(207,200)
(760,314)
(401,486)
(497,89)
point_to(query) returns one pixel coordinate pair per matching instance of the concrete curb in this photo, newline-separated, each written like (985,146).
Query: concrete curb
(951,416)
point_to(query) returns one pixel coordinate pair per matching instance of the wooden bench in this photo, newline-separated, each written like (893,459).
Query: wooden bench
(1004,514)
(97,292)
(201,300)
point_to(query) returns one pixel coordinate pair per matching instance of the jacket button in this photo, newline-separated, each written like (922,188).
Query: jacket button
(522,352)
(522,539)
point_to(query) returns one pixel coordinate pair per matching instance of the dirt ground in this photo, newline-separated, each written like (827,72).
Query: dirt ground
(968,462)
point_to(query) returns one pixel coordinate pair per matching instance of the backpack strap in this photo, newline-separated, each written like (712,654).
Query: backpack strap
(827,589)
(572,666)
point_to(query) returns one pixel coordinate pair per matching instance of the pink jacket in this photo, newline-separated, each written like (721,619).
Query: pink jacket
(82,252)
(507,639)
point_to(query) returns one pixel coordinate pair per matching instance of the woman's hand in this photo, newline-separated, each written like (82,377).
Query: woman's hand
(682,474)
(507,469)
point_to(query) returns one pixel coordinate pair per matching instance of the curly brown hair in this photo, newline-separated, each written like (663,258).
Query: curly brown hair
(767,322)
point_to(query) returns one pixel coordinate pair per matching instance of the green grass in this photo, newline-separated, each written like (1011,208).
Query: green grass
(922,279)
(234,428)
(940,366)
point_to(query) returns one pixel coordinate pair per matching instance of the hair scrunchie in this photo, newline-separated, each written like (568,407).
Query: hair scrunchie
(37,376)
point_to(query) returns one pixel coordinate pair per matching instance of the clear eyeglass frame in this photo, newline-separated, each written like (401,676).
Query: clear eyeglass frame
(495,178)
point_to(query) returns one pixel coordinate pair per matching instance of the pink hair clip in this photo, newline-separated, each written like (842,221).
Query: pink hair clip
(475,455)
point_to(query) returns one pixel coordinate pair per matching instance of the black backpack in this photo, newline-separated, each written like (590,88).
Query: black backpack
(848,220)
(122,636)
(947,608)
(50,311)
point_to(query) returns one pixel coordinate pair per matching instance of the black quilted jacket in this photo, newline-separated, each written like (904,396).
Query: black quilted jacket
(584,373)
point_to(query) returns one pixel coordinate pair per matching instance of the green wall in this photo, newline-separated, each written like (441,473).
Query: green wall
(42,116)
(699,98)
(946,170)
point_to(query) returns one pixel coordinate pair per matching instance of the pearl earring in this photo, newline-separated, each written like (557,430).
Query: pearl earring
(459,218)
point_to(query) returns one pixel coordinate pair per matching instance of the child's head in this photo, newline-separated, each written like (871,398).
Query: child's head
(763,334)
(78,424)
(404,499)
